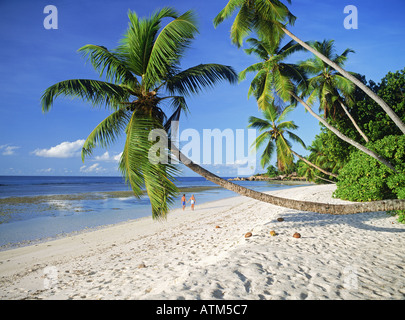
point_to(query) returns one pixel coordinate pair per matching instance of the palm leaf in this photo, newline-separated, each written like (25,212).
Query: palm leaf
(340,60)
(296,138)
(94,91)
(203,76)
(140,171)
(284,156)
(109,63)
(227,11)
(267,153)
(241,26)
(258,123)
(106,132)
(138,41)
(283,85)
(168,48)
(253,68)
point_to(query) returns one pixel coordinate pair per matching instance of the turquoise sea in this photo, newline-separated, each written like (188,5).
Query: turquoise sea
(38,208)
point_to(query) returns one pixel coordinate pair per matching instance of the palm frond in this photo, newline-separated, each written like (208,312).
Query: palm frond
(274,11)
(285,112)
(290,48)
(296,138)
(285,157)
(168,48)
(258,123)
(267,153)
(283,85)
(227,11)
(260,48)
(241,26)
(253,68)
(96,92)
(109,63)
(343,85)
(106,132)
(340,60)
(202,76)
(141,171)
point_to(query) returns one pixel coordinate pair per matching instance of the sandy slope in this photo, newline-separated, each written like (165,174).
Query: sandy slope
(358,256)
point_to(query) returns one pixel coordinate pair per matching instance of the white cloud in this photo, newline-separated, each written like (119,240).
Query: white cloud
(107,157)
(93,168)
(117,157)
(49,170)
(103,157)
(8,150)
(63,150)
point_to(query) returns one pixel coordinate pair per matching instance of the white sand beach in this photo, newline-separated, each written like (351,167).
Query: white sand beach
(203,254)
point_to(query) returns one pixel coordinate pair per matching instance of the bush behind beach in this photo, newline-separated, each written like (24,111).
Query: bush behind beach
(365,179)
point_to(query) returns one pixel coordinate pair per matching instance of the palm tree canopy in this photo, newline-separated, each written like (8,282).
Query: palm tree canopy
(327,85)
(263,16)
(273,129)
(274,78)
(145,89)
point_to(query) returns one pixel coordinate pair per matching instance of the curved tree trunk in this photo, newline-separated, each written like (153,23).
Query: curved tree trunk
(313,165)
(343,137)
(336,209)
(353,121)
(324,179)
(356,81)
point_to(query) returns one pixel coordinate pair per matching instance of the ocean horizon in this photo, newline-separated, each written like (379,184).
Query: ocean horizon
(39,208)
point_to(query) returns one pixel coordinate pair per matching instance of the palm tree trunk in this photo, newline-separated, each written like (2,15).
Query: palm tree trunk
(353,121)
(336,209)
(343,137)
(356,81)
(313,165)
(330,181)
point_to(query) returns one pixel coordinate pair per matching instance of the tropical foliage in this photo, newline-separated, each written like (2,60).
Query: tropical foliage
(274,79)
(145,90)
(364,179)
(273,130)
(269,19)
(327,86)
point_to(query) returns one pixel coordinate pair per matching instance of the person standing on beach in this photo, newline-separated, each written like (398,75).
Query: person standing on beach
(183,201)
(192,200)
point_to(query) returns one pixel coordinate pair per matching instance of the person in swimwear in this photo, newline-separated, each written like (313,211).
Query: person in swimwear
(183,201)
(192,200)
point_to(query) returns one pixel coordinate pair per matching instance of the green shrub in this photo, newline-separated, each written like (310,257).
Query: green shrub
(365,179)
(272,171)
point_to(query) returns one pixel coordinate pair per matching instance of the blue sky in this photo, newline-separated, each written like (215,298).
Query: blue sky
(32,58)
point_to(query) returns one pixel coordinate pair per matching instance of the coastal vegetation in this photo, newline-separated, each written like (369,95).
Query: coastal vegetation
(143,78)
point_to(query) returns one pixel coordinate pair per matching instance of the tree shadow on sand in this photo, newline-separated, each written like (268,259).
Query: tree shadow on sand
(360,220)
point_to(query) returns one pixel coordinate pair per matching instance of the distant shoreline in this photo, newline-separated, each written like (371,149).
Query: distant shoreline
(279,179)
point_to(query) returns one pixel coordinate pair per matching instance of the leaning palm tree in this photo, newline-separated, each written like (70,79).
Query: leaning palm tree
(269,19)
(319,156)
(274,129)
(328,86)
(143,78)
(275,78)
(143,73)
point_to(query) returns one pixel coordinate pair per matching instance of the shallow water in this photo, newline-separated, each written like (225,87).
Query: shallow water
(37,208)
